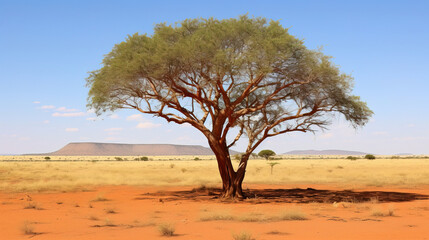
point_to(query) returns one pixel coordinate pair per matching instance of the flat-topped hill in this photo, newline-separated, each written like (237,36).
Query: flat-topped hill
(324,152)
(116,149)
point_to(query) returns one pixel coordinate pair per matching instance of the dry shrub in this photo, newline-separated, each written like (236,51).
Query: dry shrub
(293,214)
(242,236)
(216,216)
(33,205)
(166,229)
(27,228)
(376,212)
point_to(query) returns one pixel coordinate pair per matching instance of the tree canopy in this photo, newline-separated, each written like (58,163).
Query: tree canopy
(216,75)
(266,153)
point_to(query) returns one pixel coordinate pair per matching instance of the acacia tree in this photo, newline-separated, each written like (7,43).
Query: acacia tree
(247,74)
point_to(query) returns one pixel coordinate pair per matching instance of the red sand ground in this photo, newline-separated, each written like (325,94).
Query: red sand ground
(139,211)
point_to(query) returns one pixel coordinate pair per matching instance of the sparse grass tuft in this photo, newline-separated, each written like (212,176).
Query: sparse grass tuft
(93,218)
(242,236)
(100,198)
(27,228)
(33,205)
(293,214)
(110,211)
(216,216)
(166,229)
(376,212)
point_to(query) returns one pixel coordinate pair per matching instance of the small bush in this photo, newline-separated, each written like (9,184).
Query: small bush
(47,158)
(172,165)
(242,236)
(119,159)
(220,216)
(100,198)
(369,156)
(110,211)
(166,229)
(144,158)
(293,215)
(352,158)
(197,159)
(184,170)
(33,205)
(27,228)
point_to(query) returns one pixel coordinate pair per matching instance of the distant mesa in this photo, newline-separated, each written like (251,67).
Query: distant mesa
(324,152)
(403,154)
(116,149)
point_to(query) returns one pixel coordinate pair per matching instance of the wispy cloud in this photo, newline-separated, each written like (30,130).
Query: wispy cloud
(36,102)
(379,133)
(135,117)
(64,109)
(113,129)
(47,107)
(46,122)
(147,125)
(91,119)
(114,116)
(71,114)
(72,129)
(326,135)
(111,139)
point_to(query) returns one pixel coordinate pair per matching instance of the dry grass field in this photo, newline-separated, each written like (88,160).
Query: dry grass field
(82,173)
(106,198)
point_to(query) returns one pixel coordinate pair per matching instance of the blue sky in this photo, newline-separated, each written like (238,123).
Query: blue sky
(47,49)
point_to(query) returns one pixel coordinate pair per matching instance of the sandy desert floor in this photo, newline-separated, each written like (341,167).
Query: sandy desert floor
(284,212)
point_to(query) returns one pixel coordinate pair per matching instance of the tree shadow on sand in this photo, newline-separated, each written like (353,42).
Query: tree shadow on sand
(296,195)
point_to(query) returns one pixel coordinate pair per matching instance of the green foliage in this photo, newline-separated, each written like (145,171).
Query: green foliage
(144,158)
(266,153)
(197,159)
(243,48)
(352,158)
(370,157)
(47,158)
(119,159)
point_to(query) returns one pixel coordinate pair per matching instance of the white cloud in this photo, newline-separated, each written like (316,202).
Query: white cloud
(47,107)
(72,114)
(46,122)
(326,135)
(135,117)
(114,116)
(111,139)
(147,125)
(36,102)
(72,129)
(64,109)
(380,133)
(112,129)
(91,119)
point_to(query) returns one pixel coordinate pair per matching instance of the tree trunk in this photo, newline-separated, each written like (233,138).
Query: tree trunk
(231,180)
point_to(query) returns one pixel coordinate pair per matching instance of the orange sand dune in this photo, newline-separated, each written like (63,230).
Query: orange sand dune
(124,212)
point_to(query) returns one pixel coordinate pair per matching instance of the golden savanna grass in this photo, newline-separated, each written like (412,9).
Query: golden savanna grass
(80,173)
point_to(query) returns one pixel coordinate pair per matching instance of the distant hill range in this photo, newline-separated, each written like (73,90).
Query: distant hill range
(116,149)
(324,152)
